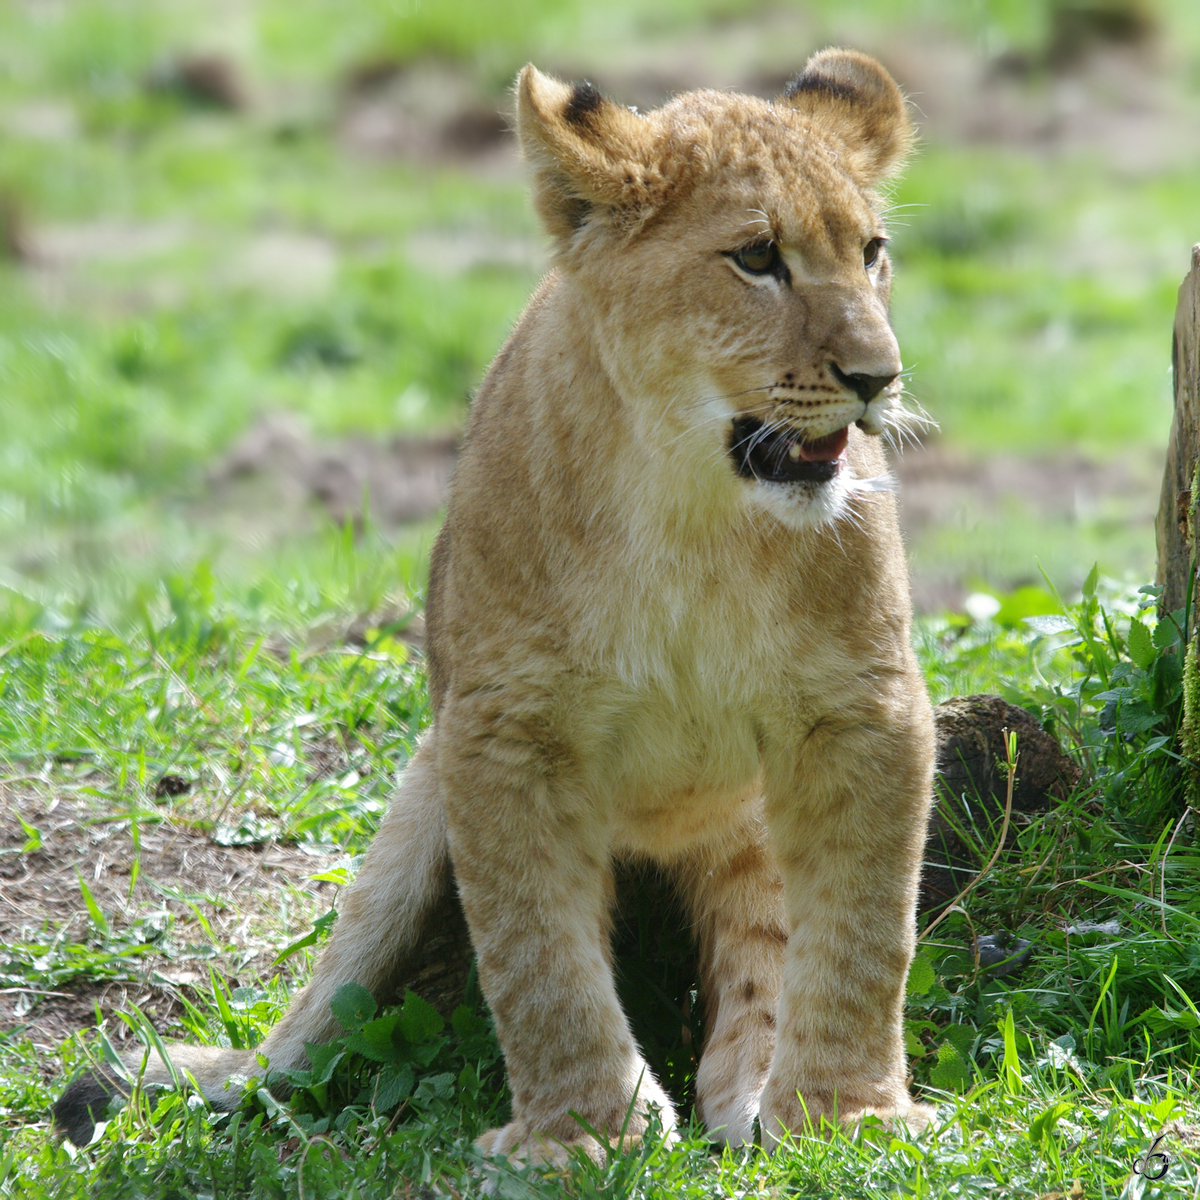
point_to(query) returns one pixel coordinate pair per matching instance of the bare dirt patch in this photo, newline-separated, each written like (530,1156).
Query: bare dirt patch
(1116,93)
(1062,498)
(194,904)
(277,475)
(429,109)
(934,480)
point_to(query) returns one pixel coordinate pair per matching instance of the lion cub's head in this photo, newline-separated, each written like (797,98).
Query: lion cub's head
(735,270)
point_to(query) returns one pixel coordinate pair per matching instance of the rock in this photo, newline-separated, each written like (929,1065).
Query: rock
(1002,954)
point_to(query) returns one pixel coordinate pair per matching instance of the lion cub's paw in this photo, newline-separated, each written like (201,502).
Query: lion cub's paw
(779,1117)
(520,1142)
(522,1147)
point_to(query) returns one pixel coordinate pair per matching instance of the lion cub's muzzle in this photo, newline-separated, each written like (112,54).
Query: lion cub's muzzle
(778,452)
(782,454)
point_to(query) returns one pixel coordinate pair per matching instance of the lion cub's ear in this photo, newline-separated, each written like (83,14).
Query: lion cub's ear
(588,153)
(852,97)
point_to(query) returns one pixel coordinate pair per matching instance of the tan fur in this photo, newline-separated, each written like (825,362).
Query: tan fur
(634,650)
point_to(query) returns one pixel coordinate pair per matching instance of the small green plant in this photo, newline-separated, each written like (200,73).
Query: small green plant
(1140,673)
(400,1057)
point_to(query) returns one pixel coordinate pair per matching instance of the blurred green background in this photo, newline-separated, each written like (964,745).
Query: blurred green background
(244,245)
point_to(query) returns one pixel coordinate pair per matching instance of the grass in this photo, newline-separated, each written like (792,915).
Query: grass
(1023,335)
(1069,1071)
(190,695)
(175,693)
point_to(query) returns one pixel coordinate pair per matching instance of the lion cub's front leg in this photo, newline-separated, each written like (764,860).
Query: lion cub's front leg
(734,898)
(531,859)
(847,812)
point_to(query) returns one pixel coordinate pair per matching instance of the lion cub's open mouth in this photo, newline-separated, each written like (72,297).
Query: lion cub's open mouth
(782,455)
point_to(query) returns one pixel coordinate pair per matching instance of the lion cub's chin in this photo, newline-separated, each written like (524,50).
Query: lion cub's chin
(804,505)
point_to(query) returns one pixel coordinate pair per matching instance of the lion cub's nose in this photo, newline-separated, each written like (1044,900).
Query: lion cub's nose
(865,387)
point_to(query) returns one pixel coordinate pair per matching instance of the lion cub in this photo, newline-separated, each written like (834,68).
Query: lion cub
(668,618)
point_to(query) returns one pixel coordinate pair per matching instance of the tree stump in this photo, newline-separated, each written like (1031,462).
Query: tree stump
(1175,528)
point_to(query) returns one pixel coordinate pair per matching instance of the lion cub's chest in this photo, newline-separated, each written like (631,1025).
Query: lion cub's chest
(691,689)
(675,775)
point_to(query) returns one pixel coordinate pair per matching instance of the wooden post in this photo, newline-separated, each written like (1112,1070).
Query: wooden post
(1175,529)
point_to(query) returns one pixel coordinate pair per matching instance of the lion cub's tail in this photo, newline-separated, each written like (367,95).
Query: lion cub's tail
(404,876)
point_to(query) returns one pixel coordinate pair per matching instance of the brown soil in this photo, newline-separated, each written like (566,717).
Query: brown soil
(253,899)
(1116,93)
(940,488)
(279,461)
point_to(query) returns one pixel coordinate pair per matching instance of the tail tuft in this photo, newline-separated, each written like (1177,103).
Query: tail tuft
(85,1102)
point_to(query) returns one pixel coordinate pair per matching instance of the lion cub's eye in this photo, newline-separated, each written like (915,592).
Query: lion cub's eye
(871,251)
(762,258)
